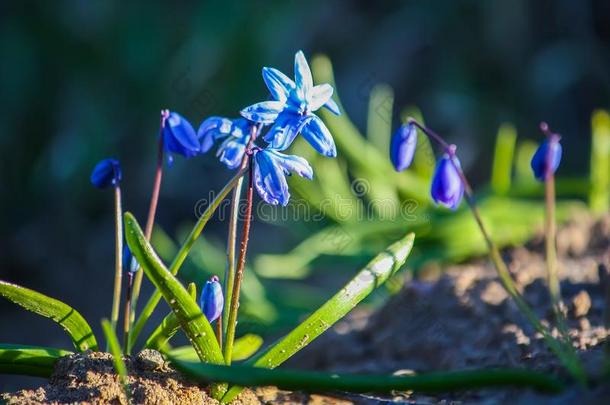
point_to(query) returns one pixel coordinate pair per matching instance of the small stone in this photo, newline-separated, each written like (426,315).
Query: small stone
(581,304)
(149,359)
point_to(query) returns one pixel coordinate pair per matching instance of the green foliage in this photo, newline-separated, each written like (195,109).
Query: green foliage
(243,348)
(29,360)
(599,197)
(67,317)
(373,275)
(321,382)
(117,355)
(501,173)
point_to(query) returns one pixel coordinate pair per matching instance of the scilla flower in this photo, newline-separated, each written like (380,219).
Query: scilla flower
(544,157)
(270,170)
(211,300)
(292,110)
(130,264)
(402,146)
(106,173)
(236,134)
(179,136)
(447,187)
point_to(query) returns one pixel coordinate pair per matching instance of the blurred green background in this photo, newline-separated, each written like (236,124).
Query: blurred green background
(80,81)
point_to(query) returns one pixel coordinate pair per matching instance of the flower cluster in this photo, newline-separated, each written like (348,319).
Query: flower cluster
(447,183)
(288,114)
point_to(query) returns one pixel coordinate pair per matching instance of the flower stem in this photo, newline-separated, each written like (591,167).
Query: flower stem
(127,314)
(562,349)
(232,323)
(231,241)
(184,251)
(152,211)
(118,260)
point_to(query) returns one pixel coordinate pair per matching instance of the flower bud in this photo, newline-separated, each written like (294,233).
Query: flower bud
(211,300)
(544,157)
(180,137)
(447,186)
(402,146)
(106,173)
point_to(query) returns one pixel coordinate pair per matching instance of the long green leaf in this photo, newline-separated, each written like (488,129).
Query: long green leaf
(117,356)
(322,382)
(374,274)
(501,172)
(243,348)
(168,327)
(67,317)
(29,360)
(599,196)
(193,322)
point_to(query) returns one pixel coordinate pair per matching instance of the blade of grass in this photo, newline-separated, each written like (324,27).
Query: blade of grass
(29,360)
(67,317)
(501,172)
(117,356)
(193,322)
(599,195)
(243,349)
(323,382)
(374,274)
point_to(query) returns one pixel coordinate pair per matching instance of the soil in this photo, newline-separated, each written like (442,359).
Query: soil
(454,319)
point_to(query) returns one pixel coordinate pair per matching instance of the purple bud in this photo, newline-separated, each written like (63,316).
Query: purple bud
(543,156)
(211,300)
(447,186)
(180,137)
(402,146)
(106,173)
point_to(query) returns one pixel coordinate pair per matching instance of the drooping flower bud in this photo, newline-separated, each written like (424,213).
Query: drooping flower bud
(130,264)
(106,173)
(179,137)
(402,146)
(545,157)
(212,300)
(447,186)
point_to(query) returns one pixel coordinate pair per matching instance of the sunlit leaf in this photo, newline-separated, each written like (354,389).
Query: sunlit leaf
(373,275)
(243,348)
(29,360)
(67,317)
(117,355)
(501,173)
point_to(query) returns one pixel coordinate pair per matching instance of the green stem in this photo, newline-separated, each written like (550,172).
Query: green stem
(118,260)
(152,211)
(324,382)
(239,274)
(183,252)
(127,314)
(231,241)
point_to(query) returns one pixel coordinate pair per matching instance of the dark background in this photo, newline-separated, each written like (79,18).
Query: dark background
(80,81)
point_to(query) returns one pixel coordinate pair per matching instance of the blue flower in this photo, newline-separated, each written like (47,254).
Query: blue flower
(211,300)
(402,147)
(542,156)
(106,173)
(130,264)
(293,107)
(270,170)
(447,187)
(237,133)
(179,137)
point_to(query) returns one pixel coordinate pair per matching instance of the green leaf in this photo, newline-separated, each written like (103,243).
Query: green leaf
(599,196)
(29,360)
(168,327)
(193,322)
(501,173)
(323,382)
(374,274)
(379,118)
(67,317)
(243,348)
(117,355)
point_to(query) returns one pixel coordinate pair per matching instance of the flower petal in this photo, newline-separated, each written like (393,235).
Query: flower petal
(302,75)
(319,96)
(278,83)
(231,152)
(402,147)
(106,173)
(211,300)
(292,163)
(269,179)
(332,106)
(180,137)
(286,128)
(264,112)
(316,133)
(213,129)
(540,158)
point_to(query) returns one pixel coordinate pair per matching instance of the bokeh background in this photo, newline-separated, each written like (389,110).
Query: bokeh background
(80,81)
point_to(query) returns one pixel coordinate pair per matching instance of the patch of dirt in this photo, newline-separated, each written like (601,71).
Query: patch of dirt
(464,318)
